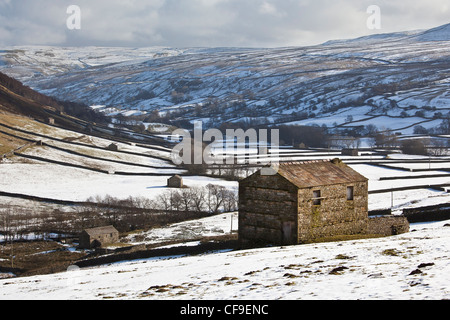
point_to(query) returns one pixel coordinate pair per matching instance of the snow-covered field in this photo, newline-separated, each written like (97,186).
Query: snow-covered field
(48,180)
(72,184)
(409,266)
(223,224)
(413,266)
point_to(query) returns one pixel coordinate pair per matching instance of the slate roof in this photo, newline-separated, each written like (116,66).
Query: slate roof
(319,173)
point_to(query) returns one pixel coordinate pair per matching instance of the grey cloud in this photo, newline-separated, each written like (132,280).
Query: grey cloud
(184,23)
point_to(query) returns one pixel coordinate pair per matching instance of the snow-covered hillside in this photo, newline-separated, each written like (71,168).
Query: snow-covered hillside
(409,266)
(441,33)
(402,77)
(95,171)
(413,266)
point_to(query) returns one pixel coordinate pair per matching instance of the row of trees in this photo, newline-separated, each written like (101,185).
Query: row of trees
(126,215)
(211,199)
(443,128)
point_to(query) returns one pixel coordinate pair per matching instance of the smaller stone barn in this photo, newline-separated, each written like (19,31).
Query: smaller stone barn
(113,147)
(175,182)
(98,237)
(350,152)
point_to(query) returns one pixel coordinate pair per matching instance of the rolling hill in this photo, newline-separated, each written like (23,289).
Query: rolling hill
(395,81)
(19,99)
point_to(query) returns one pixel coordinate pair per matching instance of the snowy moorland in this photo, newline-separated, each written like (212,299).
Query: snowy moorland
(414,266)
(394,81)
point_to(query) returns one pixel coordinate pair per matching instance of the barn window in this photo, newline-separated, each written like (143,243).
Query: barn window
(350,193)
(317,199)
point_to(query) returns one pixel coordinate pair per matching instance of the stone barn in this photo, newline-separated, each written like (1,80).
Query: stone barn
(98,237)
(308,201)
(175,182)
(303,201)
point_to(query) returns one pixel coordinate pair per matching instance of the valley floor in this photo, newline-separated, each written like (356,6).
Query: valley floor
(413,266)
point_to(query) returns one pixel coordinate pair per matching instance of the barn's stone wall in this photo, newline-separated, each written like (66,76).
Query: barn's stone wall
(300,205)
(266,202)
(388,226)
(273,210)
(335,215)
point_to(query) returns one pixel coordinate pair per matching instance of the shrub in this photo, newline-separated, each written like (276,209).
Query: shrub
(413,147)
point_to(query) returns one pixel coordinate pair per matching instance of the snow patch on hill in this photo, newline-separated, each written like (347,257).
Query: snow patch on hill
(441,33)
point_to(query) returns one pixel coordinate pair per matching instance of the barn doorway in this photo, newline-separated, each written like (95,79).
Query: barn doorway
(289,231)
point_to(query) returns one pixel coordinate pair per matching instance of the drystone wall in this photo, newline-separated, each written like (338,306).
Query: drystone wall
(388,226)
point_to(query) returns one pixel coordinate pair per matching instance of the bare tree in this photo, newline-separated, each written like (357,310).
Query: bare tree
(175,200)
(215,197)
(186,199)
(198,195)
(230,201)
(7,225)
(438,147)
(164,202)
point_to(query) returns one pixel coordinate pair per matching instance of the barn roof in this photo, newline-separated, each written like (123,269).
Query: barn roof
(318,173)
(101,230)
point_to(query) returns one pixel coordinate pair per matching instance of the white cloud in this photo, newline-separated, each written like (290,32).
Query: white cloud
(268,8)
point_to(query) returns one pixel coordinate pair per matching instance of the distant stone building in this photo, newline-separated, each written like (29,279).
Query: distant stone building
(307,201)
(350,152)
(98,237)
(89,128)
(113,147)
(175,182)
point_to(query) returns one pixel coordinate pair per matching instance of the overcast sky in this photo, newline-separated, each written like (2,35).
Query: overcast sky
(209,23)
